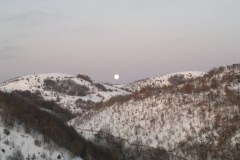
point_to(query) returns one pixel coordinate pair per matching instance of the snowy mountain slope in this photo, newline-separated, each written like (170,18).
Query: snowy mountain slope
(192,108)
(203,110)
(29,145)
(38,83)
(146,121)
(159,80)
(21,114)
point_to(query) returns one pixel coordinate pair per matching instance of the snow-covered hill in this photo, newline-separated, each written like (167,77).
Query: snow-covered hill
(197,111)
(19,144)
(64,84)
(159,80)
(193,109)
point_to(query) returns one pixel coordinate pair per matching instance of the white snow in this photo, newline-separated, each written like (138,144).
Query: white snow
(159,80)
(35,83)
(19,140)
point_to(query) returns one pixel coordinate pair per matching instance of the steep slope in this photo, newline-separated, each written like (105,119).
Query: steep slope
(187,113)
(159,80)
(201,112)
(19,144)
(29,125)
(66,89)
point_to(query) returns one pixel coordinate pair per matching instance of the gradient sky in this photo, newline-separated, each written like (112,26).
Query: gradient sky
(134,38)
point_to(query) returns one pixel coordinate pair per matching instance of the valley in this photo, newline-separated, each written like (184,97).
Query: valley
(179,115)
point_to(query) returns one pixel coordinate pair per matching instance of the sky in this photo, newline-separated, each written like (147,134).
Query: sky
(136,39)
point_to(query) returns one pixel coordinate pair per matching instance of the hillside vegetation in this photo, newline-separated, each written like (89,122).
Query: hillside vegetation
(68,91)
(191,118)
(185,115)
(16,110)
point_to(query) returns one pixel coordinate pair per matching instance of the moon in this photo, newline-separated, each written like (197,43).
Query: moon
(116,76)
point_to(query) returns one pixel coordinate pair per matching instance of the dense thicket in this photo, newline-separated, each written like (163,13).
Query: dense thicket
(118,145)
(176,79)
(100,87)
(85,77)
(19,110)
(36,99)
(68,86)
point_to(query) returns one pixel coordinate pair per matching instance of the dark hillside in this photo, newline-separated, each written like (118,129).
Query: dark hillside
(22,111)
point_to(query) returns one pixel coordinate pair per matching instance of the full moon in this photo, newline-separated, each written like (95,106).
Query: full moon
(116,76)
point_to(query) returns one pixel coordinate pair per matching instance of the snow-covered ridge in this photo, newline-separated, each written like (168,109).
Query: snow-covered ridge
(160,80)
(35,83)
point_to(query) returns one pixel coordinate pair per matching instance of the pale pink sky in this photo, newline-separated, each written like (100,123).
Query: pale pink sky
(136,39)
